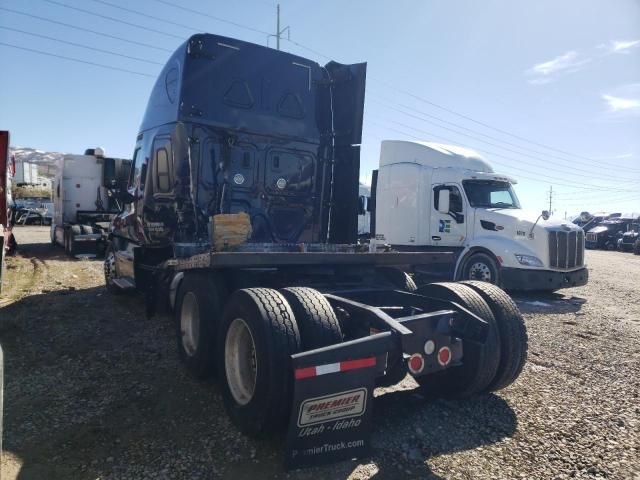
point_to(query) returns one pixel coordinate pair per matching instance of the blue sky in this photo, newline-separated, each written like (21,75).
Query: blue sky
(508,78)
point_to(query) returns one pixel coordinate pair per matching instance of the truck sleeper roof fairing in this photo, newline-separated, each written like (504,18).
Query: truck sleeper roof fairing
(433,155)
(228,83)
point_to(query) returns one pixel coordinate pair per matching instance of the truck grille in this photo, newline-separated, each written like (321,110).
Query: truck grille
(566,249)
(592,237)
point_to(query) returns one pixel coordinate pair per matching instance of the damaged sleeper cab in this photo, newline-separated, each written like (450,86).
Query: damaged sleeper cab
(242,211)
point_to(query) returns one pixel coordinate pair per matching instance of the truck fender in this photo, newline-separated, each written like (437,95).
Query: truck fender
(496,247)
(466,253)
(173,288)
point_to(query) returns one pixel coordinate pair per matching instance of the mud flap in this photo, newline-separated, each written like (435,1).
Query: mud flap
(333,400)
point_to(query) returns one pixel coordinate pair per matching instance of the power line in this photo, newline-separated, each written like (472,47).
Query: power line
(577,185)
(590,195)
(564,171)
(250,28)
(113,19)
(606,201)
(572,195)
(615,198)
(137,12)
(439,119)
(307,48)
(486,125)
(81,45)
(40,52)
(466,117)
(107,35)
(213,17)
(587,195)
(518,175)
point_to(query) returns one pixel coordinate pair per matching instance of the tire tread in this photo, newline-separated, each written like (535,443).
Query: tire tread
(476,375)
(283,340)
(317,322)
(512,331)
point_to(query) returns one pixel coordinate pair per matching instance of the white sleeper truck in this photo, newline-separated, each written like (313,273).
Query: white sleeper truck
(434,196)
(83,205)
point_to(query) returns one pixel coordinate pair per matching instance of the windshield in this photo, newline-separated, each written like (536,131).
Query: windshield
(490,194)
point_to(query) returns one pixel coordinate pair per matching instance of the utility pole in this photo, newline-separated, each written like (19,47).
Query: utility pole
(278,28)
(550,198)
(279,32)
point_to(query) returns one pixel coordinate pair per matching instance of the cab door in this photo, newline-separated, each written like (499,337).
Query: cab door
(158,214)
(448,229)
(125,230)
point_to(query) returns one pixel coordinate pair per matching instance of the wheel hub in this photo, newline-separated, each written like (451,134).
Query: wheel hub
(240,361)
(190,323)
(480,271)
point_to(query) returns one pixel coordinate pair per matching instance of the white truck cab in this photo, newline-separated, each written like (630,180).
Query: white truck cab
(443,197)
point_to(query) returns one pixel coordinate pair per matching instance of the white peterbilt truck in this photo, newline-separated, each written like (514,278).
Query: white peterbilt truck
(430,196)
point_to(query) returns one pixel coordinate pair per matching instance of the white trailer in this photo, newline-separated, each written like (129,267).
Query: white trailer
(364,212)
(83,207)
(26,173)
(432,196)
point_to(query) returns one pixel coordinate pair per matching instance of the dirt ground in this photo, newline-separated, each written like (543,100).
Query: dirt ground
(94,390)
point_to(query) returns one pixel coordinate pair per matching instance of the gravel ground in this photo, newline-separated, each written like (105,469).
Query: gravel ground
(95,390)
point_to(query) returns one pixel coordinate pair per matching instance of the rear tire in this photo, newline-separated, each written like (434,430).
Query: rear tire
(479,362)
(110,273)
(199,306)
(512,332)
(317,322)
(73,231)
(636,248)
(256,339)
(400,279)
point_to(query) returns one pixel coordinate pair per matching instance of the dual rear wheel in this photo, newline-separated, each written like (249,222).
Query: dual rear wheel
(486,367)
(248,344)
(247,338)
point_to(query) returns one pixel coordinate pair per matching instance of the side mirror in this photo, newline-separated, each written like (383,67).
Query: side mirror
(444,201)
(545,214)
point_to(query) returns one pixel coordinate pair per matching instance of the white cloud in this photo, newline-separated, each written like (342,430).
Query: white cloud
(568,60)
(574,61)
(619,104)
(546,72)
(623,46)
(622,101)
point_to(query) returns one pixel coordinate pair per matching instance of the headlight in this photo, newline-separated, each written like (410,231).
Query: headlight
(529,260)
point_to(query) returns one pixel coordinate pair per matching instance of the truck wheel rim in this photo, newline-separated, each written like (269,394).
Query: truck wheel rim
(110,267)
(190,323)
(240,361)
(480,271)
